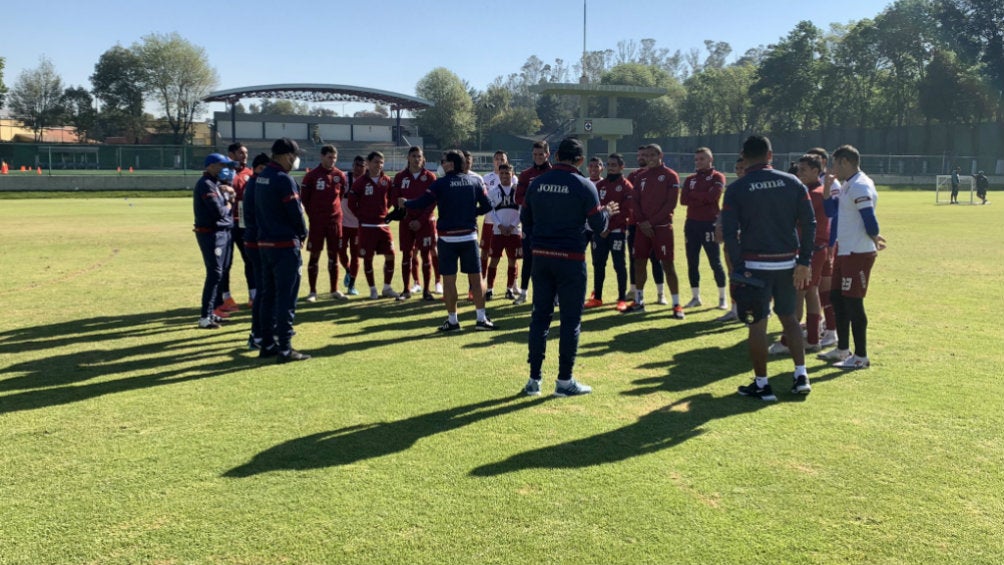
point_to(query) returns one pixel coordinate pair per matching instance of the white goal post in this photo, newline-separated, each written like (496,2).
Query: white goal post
(943,189)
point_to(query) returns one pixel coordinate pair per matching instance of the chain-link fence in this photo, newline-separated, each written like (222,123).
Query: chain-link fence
(58,158)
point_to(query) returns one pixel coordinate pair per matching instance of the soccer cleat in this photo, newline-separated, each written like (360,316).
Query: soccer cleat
(800,385)
(532,388)
(778,348)
(509,295)
(694,303)
(489,294)
(403,296)
(439,288)
(593,303)
(633,307)
(269,351)
(729,316)
(230,305)
(389,293)
(485,325)
(764,393)
(373,294)
(520,299)
(853,362)
(208,324)
(678,312)
(352,291)
(312,297)
(338,295)
(621,305)
(290,356)
(723,305)
(428,297)
(571,387)
(661,299)
(835,354)
(828,339)
(449,327)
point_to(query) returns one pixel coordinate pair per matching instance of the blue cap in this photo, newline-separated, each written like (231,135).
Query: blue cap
(214,158)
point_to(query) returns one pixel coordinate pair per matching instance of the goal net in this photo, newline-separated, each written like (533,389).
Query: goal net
(943,189)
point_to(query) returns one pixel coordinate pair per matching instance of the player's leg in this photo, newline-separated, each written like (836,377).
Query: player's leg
(714,253)
(571,291)
(544,291)
(599,248)
(692,243)
(407,242)
(315,246)
(664,250)
(334,237)
(617,253)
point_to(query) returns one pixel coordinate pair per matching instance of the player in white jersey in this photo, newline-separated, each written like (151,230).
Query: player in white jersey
(507,237)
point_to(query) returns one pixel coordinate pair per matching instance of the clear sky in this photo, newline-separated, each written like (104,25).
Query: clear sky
(390,44)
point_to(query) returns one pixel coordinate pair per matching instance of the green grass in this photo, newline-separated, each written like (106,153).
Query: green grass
(128,436)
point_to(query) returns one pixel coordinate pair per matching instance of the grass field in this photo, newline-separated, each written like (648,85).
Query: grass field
(129,436)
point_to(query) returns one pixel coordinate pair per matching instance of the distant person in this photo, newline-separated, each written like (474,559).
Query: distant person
(242,172)
(253,257)
(212,203)
(369,200)
(508,238)
(955,185)
(641,158)
(858,244)
(557,204)
(541,155)
(321,192)
(612,242)
(701,193)
(417,232)
(982,186)
(488,230)
(770,259)
(281,233)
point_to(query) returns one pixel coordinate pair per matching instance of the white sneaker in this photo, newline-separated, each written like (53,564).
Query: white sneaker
(694,303)
(729,316)
(373,294)
(520,299)
(338,295)
(853,362)
(723,305)
(778,348)
(312,297)
(390,293)
(439,288)
(416,289)
(662,299)
(835,355)
(828,339)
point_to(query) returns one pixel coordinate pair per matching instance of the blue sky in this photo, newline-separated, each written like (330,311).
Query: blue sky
(391,44)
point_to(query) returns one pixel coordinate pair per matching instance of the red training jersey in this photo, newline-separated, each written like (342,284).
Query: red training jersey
(822,238)
(369,199)
(617,190)
(702,194)
(528,174)
(409,185)
(321,192)
(656,192)
(240,181)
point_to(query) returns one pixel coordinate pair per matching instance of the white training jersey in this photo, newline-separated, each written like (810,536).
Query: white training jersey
(505,211)
(856,193)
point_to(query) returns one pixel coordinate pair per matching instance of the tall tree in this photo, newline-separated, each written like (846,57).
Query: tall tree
(975,28)
(652,118)
(451,118)
(177,75)
(79,110)
(788,78)
(36,98)
(117,84)
(3,88)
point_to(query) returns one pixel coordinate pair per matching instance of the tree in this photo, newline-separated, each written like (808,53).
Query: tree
(788,79)
(36,98)
(652,118)
(177,75)
(117,84)
(975,29)
(79,110)
(280,107)
(451,118)
(3,88)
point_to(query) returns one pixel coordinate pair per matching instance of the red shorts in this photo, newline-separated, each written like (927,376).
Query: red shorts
(661,242)
(853,272)
(819,261)
(510,244)
(487,233)
(375,241)
(424,237)
(324,230)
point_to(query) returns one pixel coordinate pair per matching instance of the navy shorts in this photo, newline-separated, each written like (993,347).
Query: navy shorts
(464,252)
(753,302)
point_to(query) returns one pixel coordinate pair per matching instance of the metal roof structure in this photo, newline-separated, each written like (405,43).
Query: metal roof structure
(320,93)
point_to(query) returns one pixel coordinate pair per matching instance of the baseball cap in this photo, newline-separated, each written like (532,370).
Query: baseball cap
(284,145)
(260,159)
(214,158)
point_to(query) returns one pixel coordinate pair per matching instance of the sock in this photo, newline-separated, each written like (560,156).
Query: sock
(761,382)
(252,293)
(639,296)
(800,370)
(660,288)
(721,294)
(812,328)
(226,296)
(387,287)
(453,317)
(631,289)
(372,289)
(676,300)
(481,314)
(696,291)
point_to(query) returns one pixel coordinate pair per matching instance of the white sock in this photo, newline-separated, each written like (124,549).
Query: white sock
(387,287)
(721,294)
(761,382)
(696,291)
(676,300)
(632,289)
(800,370)
(639,296)
(481,314)
(453,317)
(226,296)
(372,289)
(253,293)
(660,289)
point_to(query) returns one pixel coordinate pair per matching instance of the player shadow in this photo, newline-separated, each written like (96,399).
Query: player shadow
(661,429)
(693,368)
(351,444)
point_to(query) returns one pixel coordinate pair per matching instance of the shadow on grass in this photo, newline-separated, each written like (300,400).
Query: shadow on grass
(694,368)
(658,430)
(366,441)
(165,356)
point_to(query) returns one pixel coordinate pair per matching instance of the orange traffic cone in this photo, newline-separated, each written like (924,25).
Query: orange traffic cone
(119,169)
(4,168)
(23,168)
(39,170)
(130,169)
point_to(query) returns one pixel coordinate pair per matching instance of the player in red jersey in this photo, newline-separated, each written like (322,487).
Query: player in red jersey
(657,275)
(418,228)
(541,164)
(701,194)
(656,194)
(613,241)
(369,200)
(321,192)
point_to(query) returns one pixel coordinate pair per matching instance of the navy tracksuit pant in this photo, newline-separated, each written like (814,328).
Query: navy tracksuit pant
(701,235)
(280,285)
(216,249)
(566,280)
(614,245)
(253,259)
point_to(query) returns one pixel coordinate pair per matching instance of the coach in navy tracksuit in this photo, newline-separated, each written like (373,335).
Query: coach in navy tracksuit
(460,198)
(250,234)
(773,213)
(213,222)
(558,204)
(281,232)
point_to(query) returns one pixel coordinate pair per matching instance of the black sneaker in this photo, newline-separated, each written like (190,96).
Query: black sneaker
(428,297)
(763,393)
(800,385)
(448,327)
(291,355)
(634,307)
(269,351)
(489,294)
(254,343)
(508,294)
(208,324)
(484,325)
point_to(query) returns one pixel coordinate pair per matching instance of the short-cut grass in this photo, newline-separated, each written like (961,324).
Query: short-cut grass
(129,436)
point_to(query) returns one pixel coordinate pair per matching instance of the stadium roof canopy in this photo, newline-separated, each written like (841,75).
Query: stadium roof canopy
(320,93)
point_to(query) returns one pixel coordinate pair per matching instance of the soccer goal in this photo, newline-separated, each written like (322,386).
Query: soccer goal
(943,189)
